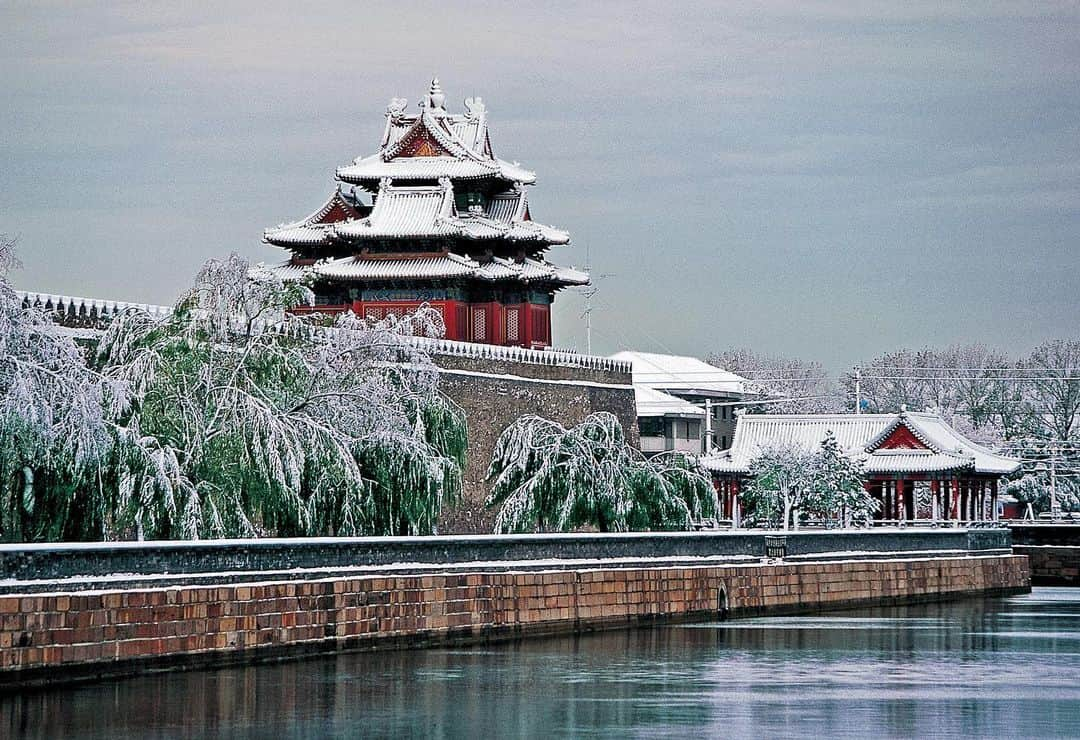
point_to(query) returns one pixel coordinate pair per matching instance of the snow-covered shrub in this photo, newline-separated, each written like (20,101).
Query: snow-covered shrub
(1034,489)
(244,420)
(549,478)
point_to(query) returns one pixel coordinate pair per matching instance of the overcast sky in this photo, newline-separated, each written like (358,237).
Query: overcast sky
(819,179)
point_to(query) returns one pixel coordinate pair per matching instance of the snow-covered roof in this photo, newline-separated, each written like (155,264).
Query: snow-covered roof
(416,211)
(434,143)
(432,267)
(937,447)
(375,168)
(315,229)
(684,376)
(651,402)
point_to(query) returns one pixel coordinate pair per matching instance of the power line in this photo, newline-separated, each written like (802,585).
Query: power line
(1074,378)
(961,367)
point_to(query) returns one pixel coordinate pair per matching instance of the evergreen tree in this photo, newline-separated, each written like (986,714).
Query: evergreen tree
(840,493)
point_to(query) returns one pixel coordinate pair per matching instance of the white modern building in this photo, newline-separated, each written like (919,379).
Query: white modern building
(662,380)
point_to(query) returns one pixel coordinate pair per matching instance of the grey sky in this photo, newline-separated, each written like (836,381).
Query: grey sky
(819,179)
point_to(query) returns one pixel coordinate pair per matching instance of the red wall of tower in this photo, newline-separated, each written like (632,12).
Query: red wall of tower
(517,324)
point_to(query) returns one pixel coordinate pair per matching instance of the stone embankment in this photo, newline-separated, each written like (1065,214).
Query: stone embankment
(1053,550)
(66,635)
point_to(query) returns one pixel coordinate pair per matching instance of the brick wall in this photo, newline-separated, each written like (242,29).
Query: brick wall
(57,637)
(495,393)
(1052,565)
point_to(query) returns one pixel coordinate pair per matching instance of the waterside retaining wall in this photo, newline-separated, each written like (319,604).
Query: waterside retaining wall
(109,564)
(1054,551)
(61,637)
(1052,565)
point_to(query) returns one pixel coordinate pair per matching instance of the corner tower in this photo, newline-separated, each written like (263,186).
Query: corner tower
(433,217)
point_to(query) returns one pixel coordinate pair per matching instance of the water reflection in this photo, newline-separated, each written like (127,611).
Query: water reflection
(1006,668)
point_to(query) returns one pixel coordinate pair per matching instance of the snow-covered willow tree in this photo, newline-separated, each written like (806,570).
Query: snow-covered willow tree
(790,482)
(546,477)
(244,420)
(54,429)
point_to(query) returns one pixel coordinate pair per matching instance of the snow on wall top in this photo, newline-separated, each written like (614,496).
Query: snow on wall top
(95,313)
(90,309)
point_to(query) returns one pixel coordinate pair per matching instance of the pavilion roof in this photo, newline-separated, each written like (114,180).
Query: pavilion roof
(935,446)
(434,143)
(315,228)
(417,211)
(433,267)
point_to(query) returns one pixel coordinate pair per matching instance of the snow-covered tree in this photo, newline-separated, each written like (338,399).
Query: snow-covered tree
(244,420)
(789,482)
(783,481)
(54,428)
(546,477)
(1055,391)
(840,493)
(792,386)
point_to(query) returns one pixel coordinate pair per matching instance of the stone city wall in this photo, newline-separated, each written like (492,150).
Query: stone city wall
(493,384)
(494,393)
(61,637)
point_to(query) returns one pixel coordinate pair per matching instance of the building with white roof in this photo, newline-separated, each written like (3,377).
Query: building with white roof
(916,464)
(695,383)
(433,217)
(667,423)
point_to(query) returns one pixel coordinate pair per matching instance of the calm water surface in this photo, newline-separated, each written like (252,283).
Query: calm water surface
(1005,668)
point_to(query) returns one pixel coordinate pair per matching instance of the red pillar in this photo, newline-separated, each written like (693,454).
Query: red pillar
(955,496)
(901,503)
(935,496)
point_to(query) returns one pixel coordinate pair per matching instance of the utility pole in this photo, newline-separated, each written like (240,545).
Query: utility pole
(858,390)
(708,426)
(1055,508)
(590,291)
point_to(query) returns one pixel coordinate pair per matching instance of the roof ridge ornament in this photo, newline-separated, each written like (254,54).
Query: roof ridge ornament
(395,109)
(436,98)
(474,107)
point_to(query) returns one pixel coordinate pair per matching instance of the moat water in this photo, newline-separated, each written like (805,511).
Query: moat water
(1005,668)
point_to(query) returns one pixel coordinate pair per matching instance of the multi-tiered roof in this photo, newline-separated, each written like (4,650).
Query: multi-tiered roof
(442,207)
